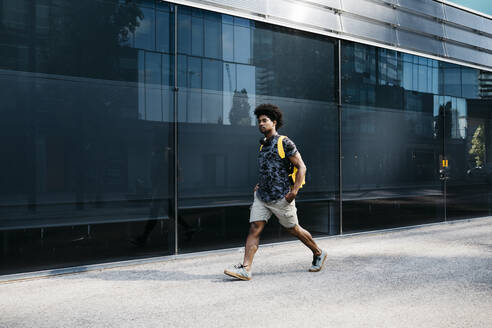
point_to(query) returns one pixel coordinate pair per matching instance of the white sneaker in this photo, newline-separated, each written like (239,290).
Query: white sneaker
(239,272)
(318,262)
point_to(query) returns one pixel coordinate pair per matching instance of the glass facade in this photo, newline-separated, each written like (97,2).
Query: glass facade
(226,67)
(86,132)
(390,143)
(107,126)
(414,139)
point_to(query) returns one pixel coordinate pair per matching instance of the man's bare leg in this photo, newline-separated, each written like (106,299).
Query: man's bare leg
(252,243)
(306,238)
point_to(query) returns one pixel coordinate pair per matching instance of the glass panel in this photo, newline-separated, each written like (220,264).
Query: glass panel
(238,21)
(423,6)
(463,36)
(468,144)
(487,26)
(390,144)
(486,44)
(370,9)
(411,40)
(227,19)
(213,37)
(451,79)
(227,42)
(242,44)
(251,6)
(420,24)
(167,88)
(184,28)
(369,30)
(470,55)
(197,36)
(217,163)
(435,79)
(306,14)
(330,3)
(153,79)
(423,78)
(164,19)
(407,74)
(145,31)
(461,17)
(470,87)
(85,145)
(212,89)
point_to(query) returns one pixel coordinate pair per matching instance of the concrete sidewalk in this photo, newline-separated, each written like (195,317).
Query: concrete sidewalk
(430,276)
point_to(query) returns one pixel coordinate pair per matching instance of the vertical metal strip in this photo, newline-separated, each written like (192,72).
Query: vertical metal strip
(340,134)
(175,122)
(445,187)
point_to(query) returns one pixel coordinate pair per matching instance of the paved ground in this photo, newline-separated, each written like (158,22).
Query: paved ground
(432,276)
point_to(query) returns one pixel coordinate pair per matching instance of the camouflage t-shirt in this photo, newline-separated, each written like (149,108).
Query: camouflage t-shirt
(273,178)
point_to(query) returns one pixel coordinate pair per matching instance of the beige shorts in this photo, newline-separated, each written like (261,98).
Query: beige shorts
(285,212)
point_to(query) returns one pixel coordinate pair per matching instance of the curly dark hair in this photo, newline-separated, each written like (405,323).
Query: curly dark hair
(273,113)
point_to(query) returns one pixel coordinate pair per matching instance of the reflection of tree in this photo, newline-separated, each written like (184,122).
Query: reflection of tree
(478,146)
(239,114)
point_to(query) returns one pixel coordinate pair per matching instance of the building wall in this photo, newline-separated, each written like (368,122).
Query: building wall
(107,126)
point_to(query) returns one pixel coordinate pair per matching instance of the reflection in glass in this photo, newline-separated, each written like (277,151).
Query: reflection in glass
(164,18)
(217,157)
(242,44)
(395,140)
(228,42)
(145,32)
(86,144)
(213,47)
(184,28)
(88,131)
(468,178)
(390,150)
(197,36)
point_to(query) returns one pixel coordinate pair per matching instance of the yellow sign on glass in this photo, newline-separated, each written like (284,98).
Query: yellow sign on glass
(444,163)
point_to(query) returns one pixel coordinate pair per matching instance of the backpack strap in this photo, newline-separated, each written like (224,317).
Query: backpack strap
(280,147)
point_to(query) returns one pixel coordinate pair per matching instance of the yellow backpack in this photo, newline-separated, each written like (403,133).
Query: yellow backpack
(281,153)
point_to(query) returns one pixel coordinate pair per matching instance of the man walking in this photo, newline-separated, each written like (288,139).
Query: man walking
(276,191)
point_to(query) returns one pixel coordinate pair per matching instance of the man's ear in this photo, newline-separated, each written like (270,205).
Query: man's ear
(274,123)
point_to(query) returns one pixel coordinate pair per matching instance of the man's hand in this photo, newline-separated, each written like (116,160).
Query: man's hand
(256,188)
(291,196)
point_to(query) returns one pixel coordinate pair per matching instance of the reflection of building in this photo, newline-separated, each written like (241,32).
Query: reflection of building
(485,84)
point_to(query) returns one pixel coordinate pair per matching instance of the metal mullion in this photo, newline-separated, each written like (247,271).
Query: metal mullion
(444,156)
(339,107)
(175,128)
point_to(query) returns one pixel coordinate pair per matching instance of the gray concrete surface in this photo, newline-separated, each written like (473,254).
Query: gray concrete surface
(430,276)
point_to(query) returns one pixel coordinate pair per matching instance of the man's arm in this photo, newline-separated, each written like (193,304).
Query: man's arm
(297,161)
